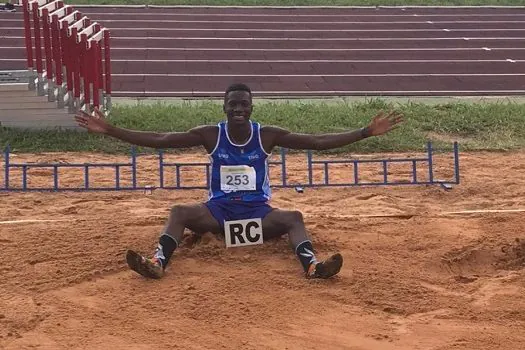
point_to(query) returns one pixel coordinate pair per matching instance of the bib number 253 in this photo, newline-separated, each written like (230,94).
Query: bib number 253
(236,180)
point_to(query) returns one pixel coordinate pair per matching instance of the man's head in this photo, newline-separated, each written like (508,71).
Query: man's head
(238,103)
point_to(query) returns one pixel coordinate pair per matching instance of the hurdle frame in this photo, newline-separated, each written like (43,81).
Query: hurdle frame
(164,166)
(55,35)
(179,165)
(384,163)
(55,175)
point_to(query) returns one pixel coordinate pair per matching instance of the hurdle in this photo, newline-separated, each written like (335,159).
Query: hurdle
(85,167)
(384,163)
(68,56)
(424,163)
(165,166)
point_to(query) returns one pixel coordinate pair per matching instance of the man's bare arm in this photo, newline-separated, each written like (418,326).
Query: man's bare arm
(189,138)
(283,138)
(98,124)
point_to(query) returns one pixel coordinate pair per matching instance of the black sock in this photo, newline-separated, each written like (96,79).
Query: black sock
(305,253)
(165,249)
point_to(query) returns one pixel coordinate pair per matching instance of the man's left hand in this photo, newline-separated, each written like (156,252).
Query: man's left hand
(382,124)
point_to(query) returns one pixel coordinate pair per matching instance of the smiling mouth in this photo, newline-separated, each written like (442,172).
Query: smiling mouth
(239,117)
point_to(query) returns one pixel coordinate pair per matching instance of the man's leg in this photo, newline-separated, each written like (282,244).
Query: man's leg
(194,217)
(279,222)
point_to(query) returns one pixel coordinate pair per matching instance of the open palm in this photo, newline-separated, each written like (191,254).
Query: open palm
(382,124)
(96,124)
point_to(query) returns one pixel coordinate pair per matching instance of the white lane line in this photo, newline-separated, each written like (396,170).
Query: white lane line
(280,30)
(290,61)
(157,75)
(482,211)
(106,21)
(149,38)
(450,213)
(188,49)
(314,39)
(31,221)
(222,15)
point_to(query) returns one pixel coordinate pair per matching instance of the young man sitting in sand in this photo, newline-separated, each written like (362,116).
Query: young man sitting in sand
(239,188)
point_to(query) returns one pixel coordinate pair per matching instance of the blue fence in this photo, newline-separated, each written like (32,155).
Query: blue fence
(164,167)
(416,165)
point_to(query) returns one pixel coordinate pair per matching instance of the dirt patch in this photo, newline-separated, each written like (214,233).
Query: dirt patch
(487,256)
(412,278)
(434,136)
(513,255)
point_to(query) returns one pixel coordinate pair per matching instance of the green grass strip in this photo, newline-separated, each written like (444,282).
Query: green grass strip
(477,126)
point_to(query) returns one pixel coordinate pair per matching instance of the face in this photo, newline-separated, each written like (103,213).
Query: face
(238,107)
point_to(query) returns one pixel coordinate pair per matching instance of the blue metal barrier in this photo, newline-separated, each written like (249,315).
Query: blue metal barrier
(179,165)
(429,159)
(8,165)
(164,166)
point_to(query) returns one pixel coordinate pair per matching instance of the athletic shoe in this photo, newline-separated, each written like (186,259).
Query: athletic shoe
(326,269)
(149,268)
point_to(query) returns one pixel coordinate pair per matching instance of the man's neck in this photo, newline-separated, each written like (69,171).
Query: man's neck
(239,134)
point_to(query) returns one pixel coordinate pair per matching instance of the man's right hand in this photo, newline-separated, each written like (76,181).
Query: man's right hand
(96,124)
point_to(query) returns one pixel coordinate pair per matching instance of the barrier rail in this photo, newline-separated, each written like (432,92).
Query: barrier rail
(413,162)
(85,167)
(179,165)
(163,168)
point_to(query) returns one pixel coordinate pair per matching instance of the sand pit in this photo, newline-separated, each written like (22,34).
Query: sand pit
(417,278)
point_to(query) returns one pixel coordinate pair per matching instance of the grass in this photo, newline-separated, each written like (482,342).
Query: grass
(308,2)
(477,126)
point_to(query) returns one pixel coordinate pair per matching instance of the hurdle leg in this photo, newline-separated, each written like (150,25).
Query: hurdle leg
(60,97)
(33,78)
(108,104)
(51,97)
(70,102)
(40,85)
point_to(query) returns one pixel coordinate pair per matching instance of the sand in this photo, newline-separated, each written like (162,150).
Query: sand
(415,275)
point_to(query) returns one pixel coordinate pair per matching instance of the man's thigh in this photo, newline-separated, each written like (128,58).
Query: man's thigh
(200,220)
(278,222)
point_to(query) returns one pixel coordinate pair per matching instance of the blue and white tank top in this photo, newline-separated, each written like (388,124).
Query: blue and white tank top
(239,172)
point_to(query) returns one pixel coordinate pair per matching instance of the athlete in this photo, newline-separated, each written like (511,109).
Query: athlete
(239,187)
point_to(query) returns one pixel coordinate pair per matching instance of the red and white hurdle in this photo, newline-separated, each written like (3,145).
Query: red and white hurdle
(71,55)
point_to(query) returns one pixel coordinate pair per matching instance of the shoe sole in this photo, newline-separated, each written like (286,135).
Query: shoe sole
(136,263)
(330,267)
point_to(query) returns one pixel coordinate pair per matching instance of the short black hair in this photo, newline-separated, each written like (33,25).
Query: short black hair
(238,87)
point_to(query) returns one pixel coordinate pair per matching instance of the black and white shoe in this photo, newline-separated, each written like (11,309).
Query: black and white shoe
(326,269)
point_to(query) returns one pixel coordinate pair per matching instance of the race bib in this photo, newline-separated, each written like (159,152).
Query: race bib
(237,178)
(239,233)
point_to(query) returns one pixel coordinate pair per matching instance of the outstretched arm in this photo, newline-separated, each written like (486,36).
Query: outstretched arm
(379,125)
(98,124)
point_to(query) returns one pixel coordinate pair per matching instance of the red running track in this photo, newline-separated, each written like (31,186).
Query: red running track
(197,52)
